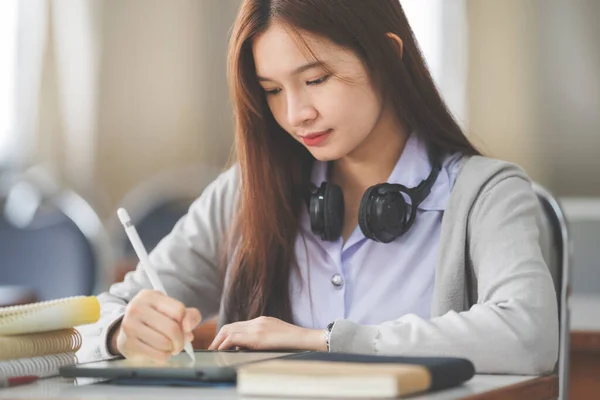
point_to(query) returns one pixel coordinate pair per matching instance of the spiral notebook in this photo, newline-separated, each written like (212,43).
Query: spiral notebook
(49,315)
(43,367)
(39,338)
(39,344)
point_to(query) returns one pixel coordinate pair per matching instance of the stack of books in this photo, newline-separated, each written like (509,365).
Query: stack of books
(37,339)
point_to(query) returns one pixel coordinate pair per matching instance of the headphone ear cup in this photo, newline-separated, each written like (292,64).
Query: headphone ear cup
(383,214)
(364,212)
(333,212)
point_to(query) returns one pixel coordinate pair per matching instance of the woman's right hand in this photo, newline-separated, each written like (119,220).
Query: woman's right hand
(154,327)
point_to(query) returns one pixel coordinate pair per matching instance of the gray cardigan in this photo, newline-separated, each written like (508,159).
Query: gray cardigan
(493,303)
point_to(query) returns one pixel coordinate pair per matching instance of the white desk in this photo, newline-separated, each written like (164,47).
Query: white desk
(63,388)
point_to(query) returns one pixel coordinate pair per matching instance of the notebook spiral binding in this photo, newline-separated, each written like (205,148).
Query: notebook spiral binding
(39,344)
(44,366)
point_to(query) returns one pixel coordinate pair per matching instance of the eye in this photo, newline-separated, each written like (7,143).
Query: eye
(319,80)
(272,91)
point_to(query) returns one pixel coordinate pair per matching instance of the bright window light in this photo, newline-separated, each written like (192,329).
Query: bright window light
(8,52)
(424,17)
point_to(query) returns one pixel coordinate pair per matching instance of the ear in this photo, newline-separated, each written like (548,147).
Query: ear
(397,41)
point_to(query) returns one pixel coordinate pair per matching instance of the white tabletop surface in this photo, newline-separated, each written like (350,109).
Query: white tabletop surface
(66,388)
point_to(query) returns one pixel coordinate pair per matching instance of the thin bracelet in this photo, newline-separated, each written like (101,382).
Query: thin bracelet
(328,335)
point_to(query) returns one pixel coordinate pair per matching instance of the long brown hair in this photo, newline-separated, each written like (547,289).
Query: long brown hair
(275,169)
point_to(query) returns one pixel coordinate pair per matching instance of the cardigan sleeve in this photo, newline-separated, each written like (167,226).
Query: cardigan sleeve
(186,261)
(513,327)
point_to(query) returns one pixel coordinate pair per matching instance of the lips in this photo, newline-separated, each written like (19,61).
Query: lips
(314,139)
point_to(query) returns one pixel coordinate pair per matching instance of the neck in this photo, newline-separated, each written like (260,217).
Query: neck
(374,159)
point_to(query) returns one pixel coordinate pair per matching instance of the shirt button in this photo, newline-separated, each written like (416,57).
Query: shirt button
(337,281)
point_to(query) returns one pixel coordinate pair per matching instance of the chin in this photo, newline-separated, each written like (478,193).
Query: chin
(324,154)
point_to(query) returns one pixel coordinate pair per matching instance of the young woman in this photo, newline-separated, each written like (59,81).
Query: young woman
(358,217)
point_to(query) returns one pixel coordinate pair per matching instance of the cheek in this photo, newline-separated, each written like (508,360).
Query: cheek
(277,107)
(355,109)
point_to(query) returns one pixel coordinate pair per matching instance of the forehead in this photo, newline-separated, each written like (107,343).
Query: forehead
(279,50)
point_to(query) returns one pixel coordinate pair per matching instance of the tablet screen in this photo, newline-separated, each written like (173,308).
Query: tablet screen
(204,359)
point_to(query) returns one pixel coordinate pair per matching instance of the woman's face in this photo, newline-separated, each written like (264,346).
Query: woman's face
(330,115)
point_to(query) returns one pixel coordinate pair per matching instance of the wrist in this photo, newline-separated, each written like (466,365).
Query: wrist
(315,340)
(113,335)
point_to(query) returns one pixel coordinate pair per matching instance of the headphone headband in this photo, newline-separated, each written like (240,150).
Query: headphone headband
(384,213)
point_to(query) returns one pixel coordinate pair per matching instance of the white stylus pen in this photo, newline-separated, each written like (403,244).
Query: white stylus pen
(142,254)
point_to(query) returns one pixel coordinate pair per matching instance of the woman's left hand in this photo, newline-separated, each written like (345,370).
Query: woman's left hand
(266,333)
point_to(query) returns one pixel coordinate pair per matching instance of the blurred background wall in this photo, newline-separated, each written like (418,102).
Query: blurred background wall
(568,79)
(501,86)
(164,101)
(534,88)
(151,95)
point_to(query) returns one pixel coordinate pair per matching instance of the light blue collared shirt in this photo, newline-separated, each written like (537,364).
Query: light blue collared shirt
(379,282)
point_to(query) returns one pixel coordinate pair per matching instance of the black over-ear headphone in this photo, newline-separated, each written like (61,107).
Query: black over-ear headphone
(383,215)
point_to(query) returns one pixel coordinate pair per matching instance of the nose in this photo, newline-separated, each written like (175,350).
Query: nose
(300,110)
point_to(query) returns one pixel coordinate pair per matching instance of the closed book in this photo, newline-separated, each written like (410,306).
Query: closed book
(351,376)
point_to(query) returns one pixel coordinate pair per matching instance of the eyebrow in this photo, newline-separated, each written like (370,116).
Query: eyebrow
(297,70)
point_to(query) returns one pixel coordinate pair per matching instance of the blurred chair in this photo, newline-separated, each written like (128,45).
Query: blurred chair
(51,240)
(14,295)
(155,206)
(554,231)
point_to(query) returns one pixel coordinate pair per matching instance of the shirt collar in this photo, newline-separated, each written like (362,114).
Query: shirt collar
(412,167)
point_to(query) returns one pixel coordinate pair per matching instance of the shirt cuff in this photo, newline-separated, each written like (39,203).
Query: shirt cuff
(95,338)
